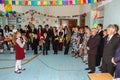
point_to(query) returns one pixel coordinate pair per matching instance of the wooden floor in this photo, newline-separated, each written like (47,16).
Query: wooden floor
(39,67)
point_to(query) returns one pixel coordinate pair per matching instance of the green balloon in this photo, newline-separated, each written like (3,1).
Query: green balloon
(0,14)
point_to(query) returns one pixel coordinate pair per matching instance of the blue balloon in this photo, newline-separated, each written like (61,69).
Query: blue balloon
(6,14)
(13,12)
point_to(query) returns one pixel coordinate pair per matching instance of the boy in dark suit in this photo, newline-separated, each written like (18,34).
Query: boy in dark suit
(35,44)
(45,44)
(67,43)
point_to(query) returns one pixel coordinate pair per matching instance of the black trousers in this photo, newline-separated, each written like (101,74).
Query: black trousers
(55,47)
(107,66)
(98,58)
(91,61)
(45,49)
(66,49)
(35,50)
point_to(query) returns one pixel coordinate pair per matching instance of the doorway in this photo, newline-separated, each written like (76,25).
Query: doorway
(68,22)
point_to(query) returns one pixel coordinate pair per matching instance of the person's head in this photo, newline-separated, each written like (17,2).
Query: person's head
(76,29)
(19,26)
(18,34)
(15,36)
(117,28)
(13,27)
(6,28)
(46,26)
(111,30)
(100,26)
(81,29)
(105,32)
(39,26)
(87,30)
(93,31)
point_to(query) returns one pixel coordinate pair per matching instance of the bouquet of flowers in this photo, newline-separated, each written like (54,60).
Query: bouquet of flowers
(31,35)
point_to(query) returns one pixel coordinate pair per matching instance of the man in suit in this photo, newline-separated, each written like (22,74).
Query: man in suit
(116,61)
(92,47)
(100,47)
(111,43)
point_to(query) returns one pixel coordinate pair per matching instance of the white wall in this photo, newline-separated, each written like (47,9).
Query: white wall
(112,13)
(51,10)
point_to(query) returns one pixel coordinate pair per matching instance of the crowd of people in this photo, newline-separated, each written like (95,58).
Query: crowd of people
(96,47)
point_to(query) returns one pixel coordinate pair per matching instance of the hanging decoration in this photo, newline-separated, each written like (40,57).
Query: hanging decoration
(8,8)
(48,2)
(47,15)
(32,12)
(95,18)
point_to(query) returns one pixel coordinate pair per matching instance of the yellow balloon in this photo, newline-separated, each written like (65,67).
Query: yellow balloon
(8,7)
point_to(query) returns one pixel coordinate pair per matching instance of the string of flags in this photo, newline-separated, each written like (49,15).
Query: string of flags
(15,14)
(48,2)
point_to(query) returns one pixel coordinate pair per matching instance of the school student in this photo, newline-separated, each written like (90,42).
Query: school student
(67,43)
(45,44)
(19,48)
(35,44)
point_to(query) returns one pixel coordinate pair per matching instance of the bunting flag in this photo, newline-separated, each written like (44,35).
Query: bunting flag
(48,2)
(15,14)
(95,17)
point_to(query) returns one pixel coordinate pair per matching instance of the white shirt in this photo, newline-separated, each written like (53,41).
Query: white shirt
(18,41)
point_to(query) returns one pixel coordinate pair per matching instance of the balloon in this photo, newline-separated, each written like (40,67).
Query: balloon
(13,12)
(0,14)
(6,14)
(8,8)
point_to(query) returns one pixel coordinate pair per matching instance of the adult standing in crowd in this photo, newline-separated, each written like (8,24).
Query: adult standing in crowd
(61,36)
(100,48)
(92,47)
(110,45)
(84,44)
(75,40)
(116,62)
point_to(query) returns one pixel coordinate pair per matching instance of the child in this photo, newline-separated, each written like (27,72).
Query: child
(35,44)
(45,44)
(1,43)
(19,47)
(55,42)
(67,43)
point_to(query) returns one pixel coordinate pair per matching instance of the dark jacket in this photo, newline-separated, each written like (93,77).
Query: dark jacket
(93,43)
(109,48)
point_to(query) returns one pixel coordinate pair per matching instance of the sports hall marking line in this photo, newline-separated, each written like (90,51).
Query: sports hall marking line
(11,59)
(23,63)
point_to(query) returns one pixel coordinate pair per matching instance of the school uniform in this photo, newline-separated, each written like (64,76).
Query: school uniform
(35,45)
(20,55)
(45,45)
(55,44)
(67,43)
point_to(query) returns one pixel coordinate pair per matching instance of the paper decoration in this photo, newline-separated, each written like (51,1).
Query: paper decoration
(48,2)
(95,18)
(8,8)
